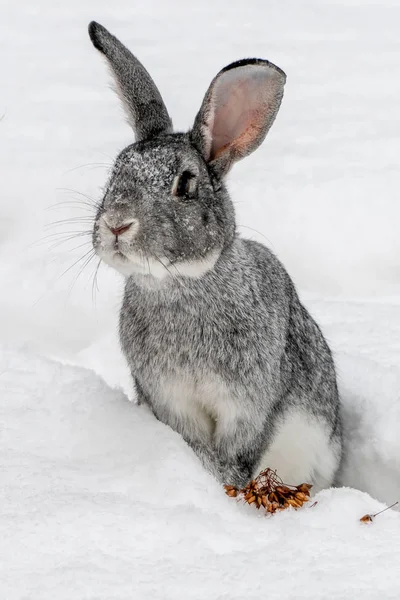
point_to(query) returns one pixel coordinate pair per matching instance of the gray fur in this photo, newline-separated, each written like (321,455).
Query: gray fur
(142,101)
(239,323)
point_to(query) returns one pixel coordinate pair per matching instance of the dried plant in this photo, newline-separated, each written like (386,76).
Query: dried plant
(269,491)
(370,518)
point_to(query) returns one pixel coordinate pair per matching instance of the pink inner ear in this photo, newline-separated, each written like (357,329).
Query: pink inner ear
(243,100)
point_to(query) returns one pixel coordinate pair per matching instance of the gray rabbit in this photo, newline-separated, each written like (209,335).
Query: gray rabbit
(219,345)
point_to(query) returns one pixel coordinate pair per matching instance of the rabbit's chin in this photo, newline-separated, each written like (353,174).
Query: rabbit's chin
(161,268)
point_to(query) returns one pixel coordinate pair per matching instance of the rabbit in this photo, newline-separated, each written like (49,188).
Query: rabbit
(219,346)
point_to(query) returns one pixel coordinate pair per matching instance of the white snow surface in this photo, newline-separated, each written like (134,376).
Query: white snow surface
(98,500)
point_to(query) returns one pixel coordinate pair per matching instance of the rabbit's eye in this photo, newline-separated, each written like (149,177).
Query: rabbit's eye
(184,185)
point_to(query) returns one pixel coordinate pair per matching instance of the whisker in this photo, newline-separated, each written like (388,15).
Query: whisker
(62,236)
(81,269)
(82,194)
(57,244)
(176,269)
(69,221)
(56,257)
(166,268)
(78,203)
(259,233)
(55,233)
(107,156)
(91,251)
(93,165)
(94,282)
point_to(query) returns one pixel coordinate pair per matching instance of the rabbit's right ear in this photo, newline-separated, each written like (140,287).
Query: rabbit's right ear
(237,112)
(141,99)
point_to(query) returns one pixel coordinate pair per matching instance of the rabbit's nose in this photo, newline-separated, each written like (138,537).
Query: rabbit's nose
(118,229)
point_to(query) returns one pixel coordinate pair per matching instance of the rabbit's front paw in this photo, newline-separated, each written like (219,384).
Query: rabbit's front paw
(237,475)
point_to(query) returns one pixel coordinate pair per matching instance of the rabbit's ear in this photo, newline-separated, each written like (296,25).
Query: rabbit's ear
(141,99)
(237,111)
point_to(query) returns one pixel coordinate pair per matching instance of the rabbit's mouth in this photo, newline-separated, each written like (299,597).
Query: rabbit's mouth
(135,263)
(125,263)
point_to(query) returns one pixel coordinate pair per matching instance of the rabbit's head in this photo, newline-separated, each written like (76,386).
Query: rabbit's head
(166,210)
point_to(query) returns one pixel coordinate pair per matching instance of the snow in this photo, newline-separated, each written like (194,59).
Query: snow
(98,499)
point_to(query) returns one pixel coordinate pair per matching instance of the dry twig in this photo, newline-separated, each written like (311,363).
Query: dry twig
(370,518)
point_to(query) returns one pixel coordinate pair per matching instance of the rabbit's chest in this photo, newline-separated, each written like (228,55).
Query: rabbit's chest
(179,362)
(179,355)
(195,336)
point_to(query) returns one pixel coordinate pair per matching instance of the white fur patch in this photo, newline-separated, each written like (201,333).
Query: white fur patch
(301,451)
(186,414)
(198,408)
(131,263)
(196,268)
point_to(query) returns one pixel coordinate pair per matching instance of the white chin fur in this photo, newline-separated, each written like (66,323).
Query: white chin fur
(136,265)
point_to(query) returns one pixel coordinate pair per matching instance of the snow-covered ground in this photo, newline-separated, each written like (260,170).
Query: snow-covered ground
(98,500)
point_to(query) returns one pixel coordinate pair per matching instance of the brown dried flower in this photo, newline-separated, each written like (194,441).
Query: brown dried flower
(269,491)
(370,518)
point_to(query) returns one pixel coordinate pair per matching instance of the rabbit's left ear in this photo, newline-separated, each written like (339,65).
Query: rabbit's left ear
(237,111)
(142,101)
